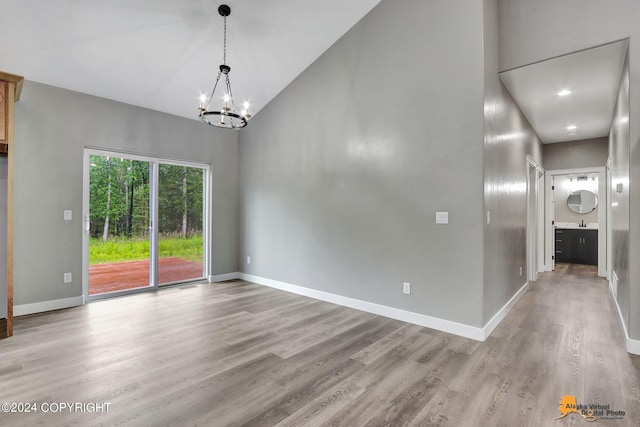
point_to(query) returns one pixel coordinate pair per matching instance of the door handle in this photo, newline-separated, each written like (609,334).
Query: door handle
(87,223)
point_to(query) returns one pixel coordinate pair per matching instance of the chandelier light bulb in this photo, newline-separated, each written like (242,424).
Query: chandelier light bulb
(245,110)
(203,99)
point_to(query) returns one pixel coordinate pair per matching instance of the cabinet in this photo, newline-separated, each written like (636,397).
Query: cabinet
(3,113)
(10,88)
(578,246)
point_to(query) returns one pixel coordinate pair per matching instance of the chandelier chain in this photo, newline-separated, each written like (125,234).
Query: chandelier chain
(224,49)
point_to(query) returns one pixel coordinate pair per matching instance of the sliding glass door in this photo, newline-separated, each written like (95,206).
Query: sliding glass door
(180,225)
(145,223)
(118,224)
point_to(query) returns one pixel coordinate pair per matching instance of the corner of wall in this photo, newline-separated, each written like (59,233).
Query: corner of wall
(508,140)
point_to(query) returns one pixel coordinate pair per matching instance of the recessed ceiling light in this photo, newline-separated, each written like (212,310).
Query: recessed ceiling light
(565,92)
(572,127)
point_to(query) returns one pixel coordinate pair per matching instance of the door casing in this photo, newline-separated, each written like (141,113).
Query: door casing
(154,180)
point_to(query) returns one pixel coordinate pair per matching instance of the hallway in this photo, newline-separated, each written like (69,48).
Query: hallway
(235,353)
(574,344)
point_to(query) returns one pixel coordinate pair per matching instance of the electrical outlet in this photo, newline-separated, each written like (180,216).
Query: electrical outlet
(488,217)
(406,288)
(442,217)
(248,260)
(520,271)
(67,277)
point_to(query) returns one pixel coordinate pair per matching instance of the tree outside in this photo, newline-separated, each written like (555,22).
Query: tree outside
(119,211)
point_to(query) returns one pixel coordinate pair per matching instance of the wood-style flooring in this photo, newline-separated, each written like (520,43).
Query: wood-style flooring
(239,354)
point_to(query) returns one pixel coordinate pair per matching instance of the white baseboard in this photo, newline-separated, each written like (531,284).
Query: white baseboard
(461,329)
(39,307)
(223,277)
(502,313)
(467,331)
(633,346)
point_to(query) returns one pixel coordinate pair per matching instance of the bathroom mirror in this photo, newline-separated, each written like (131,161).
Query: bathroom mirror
(582,201)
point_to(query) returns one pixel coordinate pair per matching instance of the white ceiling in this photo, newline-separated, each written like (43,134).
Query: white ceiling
(162,54)
(593,77)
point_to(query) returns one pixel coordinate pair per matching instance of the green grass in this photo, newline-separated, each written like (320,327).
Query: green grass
(135,249)
(189,248)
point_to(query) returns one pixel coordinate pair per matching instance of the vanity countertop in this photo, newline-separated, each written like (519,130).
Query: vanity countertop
(574,225)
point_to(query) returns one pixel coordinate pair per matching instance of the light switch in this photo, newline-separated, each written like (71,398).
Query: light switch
(488,217)
(68,215)
(442,217)
(406,288)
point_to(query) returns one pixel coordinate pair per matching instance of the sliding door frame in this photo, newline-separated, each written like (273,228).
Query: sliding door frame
(155,163)
(206,217)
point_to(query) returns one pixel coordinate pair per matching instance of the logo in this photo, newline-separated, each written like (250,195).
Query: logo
(590,412)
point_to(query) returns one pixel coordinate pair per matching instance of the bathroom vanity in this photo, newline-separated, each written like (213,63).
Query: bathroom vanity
(576,244)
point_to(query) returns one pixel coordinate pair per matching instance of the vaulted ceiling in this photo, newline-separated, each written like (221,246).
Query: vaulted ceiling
(162,54)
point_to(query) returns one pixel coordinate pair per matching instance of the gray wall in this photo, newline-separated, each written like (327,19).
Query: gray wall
(532,31)
(3,237)
(342,173)
(576,154)
(508,140)
(619,152)
(52,127)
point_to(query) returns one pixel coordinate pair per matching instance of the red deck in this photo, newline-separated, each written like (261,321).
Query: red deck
(120,276)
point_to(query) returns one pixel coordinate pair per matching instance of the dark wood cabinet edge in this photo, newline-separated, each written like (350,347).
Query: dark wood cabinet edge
(3,328)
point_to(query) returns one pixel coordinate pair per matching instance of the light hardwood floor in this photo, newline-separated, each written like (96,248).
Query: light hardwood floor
(237,353)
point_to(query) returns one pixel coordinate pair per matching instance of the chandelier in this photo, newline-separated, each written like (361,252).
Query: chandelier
(226,116)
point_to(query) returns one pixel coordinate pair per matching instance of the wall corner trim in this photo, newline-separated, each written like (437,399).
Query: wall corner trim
(632,346)
(502,313)
(39,307)
(460,329)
